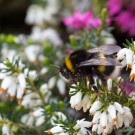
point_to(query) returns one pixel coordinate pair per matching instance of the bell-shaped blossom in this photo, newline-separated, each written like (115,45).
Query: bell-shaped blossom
(28,119)
(132,73)
(96,105)
(127,57)
(22,81)
(32,52)
(15,84)
(57,129)
(5,130)
(61,86)
(39,116)
(114,116)
(58,116)
(31,100)
(126,54)
(82,126)
(75,101)
(35,15)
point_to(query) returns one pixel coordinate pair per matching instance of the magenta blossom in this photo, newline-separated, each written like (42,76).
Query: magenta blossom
(127,86)
(114,6)
(122,12)
(126,21)
(82,20)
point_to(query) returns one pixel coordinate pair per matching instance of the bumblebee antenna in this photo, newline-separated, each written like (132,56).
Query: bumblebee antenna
(58,67)
(53,75)
(55,66)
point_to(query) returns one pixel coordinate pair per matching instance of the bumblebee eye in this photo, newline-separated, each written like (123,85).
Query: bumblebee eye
(65,72)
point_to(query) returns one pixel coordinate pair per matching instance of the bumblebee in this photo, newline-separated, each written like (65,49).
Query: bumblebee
(98,62)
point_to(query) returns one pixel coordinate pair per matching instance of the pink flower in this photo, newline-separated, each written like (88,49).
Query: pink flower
(114,6)
(126,21)
(82,20)
(122,12)
(127,86)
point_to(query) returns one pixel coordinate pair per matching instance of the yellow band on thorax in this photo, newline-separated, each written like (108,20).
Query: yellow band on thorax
(101,68)
(69,63)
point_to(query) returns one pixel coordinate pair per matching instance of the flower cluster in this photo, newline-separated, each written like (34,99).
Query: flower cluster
(127,57)
(39,15)
(13,75)
(79,100)
(122,15)
(82,20)
(79,129)
(113,116)
(34,118)
(40,35)
(13,83)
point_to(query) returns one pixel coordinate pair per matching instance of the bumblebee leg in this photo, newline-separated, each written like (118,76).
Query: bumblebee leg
(91,83)
(101,76)
(73,78)
(74,81)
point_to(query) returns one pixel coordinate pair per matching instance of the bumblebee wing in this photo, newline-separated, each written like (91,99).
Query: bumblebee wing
(100,61)
(106,49)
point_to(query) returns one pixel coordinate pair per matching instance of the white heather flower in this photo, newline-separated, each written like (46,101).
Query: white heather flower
(22,81)
(132,73)
(121,54)
(96,105)
(5,50)
(5,130)
(95,127)
(19,95)
(81,127)
(59,116)
(112,112)
(109,84)
(30,100)
(119,107)
(75,101)
(38,112)
(48,34)
(35,15)
(96,117)
(103,120)
(114,116)
(120,120)
(33,75)
(40,120)
(54,130)
(128,114)
(50,13)
(12,89)
(28,119)
(15,84)
(129,58)
(32,52)
(86,102)
(6,83)
(61,86)
(43,71)
(51,82)
(100,129)
(126,121)
(39,116)
(44,88)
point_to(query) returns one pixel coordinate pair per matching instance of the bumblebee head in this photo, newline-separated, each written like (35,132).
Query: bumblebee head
(64,71)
